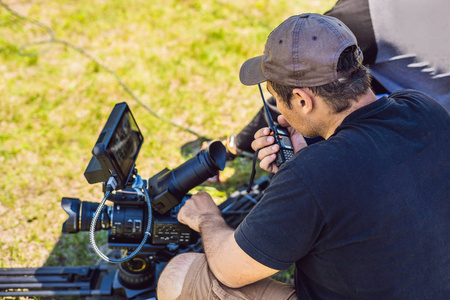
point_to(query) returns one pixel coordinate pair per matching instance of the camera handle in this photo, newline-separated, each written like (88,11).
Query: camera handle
(111,185)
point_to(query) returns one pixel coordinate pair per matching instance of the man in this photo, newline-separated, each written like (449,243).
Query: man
(403,44)
(363,214)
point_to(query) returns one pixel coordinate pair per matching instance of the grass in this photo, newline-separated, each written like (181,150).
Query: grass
(180,58)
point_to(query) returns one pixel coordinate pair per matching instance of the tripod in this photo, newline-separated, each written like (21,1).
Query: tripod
(130,280)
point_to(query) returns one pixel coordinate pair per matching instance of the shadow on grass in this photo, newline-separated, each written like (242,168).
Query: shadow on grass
(76,250)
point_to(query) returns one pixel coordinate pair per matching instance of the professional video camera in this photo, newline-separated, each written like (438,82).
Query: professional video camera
(129,221)
(143,229)
(114,157)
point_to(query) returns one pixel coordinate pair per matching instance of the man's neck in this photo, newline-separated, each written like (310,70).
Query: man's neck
(336,119)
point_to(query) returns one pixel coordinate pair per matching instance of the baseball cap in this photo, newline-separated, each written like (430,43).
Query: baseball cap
(303,51)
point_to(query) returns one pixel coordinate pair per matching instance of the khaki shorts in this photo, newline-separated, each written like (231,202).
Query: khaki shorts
(200,283)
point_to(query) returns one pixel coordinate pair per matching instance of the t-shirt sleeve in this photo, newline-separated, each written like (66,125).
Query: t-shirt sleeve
(284,225)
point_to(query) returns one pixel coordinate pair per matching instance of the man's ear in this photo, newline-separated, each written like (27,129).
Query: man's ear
(303,100)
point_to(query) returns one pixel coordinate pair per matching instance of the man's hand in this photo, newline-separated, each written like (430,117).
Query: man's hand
(196,209)
(265,143)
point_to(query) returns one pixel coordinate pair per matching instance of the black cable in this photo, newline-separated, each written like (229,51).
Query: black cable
(53,40)
(252,176)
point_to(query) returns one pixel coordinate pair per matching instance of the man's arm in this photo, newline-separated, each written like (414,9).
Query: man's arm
(228,262)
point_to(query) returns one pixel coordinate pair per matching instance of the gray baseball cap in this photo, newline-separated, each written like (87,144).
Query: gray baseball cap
(303,51)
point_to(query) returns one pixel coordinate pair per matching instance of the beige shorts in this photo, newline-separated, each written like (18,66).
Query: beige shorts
(200,283)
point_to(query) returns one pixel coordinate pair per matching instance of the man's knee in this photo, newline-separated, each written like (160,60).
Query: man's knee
(171,280)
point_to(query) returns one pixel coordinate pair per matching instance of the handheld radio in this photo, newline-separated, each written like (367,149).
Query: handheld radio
(281,135)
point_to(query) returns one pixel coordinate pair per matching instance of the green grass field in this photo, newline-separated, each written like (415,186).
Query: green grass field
(180,58)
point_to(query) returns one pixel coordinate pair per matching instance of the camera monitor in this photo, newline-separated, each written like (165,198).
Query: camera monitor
(116,149)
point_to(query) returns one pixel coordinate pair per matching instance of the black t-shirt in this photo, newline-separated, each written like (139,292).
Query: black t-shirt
(366,213)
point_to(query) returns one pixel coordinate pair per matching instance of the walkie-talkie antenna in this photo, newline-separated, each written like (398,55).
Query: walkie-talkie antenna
(269,116)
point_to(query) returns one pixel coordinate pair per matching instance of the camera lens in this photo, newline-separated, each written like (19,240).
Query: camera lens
(72,207)
(81,214)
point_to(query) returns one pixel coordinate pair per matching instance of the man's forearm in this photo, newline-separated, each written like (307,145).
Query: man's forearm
(228,262)
(216,236)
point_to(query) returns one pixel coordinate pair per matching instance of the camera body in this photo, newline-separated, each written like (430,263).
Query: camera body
(130,219)
(114,155)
